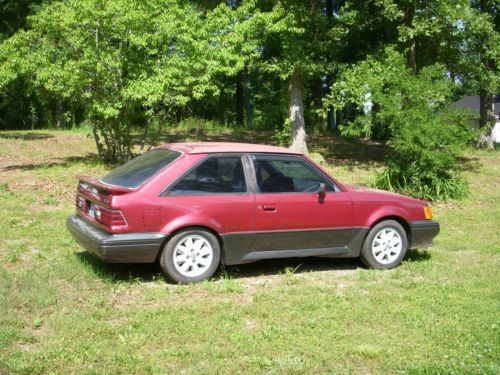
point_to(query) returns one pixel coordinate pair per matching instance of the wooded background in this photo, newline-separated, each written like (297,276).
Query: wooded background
(383,69)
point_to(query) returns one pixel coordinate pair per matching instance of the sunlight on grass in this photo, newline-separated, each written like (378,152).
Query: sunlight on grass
(62,311)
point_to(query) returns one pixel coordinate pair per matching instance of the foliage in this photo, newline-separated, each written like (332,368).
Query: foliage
(283,136)
(477,50)
(122,55)
(425,137)
(123,65)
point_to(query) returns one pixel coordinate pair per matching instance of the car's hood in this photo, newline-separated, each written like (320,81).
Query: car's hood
(358,189)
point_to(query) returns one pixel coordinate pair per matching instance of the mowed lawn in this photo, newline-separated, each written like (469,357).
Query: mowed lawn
(63,312)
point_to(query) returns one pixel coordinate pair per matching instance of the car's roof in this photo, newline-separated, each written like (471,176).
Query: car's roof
(216,147)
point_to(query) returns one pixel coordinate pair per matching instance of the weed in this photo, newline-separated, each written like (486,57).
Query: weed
(290,277)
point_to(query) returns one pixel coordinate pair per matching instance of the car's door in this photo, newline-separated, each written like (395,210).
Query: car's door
(214,194)
(289,214)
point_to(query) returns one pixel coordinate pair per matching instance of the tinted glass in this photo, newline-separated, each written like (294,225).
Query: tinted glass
(138,170)
(214,175)
(287,175)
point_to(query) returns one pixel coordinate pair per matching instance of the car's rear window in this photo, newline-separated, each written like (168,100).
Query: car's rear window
(138,170)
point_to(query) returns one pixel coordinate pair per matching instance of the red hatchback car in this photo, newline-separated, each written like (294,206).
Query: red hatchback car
(191,206)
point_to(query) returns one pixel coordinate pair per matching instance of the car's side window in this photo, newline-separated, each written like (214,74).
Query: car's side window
(215,175)
(287,175)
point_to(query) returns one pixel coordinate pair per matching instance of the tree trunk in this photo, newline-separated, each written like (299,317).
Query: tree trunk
(339,118)
(98,144)
(296,114)
(331,7)
(412,55)
(33,117)
(318,80)
(332,121)
(411,45)
(485,104)
(319,104)
(60,122)
(145,135)
(486,120)
(247,99)
(486,110)
(239,99)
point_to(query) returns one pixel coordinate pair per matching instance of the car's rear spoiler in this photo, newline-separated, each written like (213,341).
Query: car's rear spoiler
(102,187)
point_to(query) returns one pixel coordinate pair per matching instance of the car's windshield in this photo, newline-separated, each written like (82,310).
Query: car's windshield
(138,170)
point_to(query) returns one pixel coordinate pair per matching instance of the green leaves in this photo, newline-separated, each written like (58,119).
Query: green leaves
(126,63)
(425,137)
(113,56)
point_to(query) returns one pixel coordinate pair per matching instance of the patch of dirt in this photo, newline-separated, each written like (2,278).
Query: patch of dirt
(250,325)
(18,152)
(29,255)
(39,334)
(25,157)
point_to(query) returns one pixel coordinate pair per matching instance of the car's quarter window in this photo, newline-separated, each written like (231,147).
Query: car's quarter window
(138,170)
(287,174)
(214,175)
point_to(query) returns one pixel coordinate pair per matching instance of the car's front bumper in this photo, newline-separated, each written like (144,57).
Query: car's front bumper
(423,232)
(120,248)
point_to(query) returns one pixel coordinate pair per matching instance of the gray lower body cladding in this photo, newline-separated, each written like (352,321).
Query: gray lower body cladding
(252,246)
(336,243)
(239,248)
(119,248)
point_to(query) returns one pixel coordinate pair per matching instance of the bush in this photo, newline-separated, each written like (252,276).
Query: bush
(283,135)
(423,157)
(425,137)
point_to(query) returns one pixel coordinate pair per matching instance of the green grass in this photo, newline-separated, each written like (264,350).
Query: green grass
(62,311)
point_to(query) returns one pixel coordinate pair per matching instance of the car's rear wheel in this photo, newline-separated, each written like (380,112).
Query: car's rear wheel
(385,246)
(190,256)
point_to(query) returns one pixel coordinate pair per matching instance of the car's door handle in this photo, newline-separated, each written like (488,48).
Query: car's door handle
(269,207)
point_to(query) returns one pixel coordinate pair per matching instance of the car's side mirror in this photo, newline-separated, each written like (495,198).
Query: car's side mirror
(321,192)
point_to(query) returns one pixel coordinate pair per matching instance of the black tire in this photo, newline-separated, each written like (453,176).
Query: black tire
(367,254)
(173,272)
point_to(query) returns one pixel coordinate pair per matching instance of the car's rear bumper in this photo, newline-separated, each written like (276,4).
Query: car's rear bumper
(423,232)
(120,248)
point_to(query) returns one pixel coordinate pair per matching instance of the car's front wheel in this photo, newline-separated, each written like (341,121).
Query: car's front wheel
(385,246)
(190,256)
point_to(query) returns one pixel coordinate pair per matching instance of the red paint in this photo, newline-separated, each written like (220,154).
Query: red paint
(295,211)
(144,210)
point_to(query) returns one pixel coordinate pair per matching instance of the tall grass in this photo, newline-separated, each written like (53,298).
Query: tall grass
(433,189)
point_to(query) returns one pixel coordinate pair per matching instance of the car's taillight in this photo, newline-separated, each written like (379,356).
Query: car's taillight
(80,203)
(110,218)
(428,213)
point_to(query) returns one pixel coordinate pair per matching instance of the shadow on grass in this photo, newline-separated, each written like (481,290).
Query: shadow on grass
(89,159)
(297,265)
(25,136)
(470,163)
(120,272)
(418,256)
(133,272)
(350,152)
(334,148)
(227,135)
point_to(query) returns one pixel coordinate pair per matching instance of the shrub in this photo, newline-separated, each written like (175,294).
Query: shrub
(423,157)
(283,135)
(425,137)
